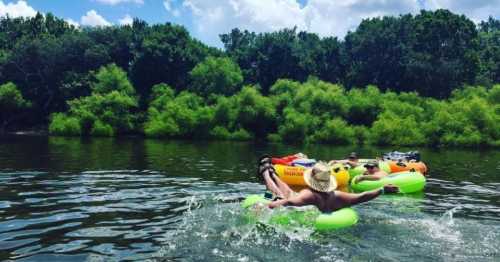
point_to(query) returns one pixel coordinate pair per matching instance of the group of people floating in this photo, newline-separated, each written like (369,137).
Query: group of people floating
(321,185)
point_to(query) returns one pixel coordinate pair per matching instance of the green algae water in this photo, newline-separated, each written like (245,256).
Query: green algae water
(105,199)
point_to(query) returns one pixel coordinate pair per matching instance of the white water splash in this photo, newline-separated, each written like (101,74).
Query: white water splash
(444,228)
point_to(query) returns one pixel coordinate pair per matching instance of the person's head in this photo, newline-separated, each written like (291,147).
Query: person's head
(371,167)
(353,157)
(319,178)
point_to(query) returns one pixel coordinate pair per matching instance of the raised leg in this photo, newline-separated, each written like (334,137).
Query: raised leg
(271,185)
(283,187)
(272,181)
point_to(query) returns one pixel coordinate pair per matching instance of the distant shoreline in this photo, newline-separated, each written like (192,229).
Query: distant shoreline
(45,133)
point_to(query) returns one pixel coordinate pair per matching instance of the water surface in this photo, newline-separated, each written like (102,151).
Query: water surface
(72,199)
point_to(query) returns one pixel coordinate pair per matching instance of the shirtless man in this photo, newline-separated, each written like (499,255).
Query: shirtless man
(320,192)
(372,172)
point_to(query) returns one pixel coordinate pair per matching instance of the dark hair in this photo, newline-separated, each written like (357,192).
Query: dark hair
(371,164)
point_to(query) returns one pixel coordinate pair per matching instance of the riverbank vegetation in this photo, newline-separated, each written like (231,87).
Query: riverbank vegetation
(426,79)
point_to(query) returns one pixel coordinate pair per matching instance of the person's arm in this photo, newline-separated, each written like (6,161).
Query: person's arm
(369,177)
(302,199)
(353,199)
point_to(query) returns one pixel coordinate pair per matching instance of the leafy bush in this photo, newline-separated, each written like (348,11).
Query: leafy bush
(109,110)
(255,112)
(112,78)
(12,103)
(216,76)
(183,115)
(391,129)
(101,129)
(467,120)
(335,131)
(64,125)
(364,105)
(313,111)
(220,132)
(241,134)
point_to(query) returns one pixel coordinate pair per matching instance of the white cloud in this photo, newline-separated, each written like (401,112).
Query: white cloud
(126,20)
(338,17)
(115,2)
(21,8)
(92,18)
(325,17)
(476,10)
(169,5)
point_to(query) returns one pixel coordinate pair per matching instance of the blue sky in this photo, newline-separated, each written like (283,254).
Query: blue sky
(206,19)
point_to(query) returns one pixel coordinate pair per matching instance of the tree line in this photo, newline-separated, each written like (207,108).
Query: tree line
(425,79)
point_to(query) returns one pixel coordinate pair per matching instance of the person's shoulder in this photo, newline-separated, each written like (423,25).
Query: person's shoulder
(306,191)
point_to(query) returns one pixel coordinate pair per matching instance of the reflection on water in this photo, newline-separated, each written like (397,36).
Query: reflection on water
(133,199)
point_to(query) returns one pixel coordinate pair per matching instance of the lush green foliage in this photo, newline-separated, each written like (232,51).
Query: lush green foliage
(11,98)
(319,112)
(109,110)
(267,57)
(11,104)
(216,76)
(276,86)
(432,53)
(489,52)
(183,115)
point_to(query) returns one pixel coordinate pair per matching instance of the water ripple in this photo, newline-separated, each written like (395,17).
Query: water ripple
(119,207)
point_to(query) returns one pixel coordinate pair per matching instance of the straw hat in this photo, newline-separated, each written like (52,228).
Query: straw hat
(319,178)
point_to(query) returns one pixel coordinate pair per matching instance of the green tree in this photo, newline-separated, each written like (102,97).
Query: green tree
(431,53)
(181,116)
(109,110)
(378,52)
(112,78)
(216,76)
(334,131)
(167,55)
(256,113)
(391,129)
(264,58)
(12,104)
(489,52)
(444,55)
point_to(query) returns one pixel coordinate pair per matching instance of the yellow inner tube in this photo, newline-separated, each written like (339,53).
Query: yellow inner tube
(294,175)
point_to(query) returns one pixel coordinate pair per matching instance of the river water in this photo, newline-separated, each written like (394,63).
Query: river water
(104,199)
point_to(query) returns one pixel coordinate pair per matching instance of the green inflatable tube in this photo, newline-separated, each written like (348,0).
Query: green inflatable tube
(408,182)
(353,172)
(342,218)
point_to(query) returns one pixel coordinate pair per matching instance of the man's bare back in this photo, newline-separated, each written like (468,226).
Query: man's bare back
(331,201)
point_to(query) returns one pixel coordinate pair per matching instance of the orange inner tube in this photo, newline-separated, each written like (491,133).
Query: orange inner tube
(407,166)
